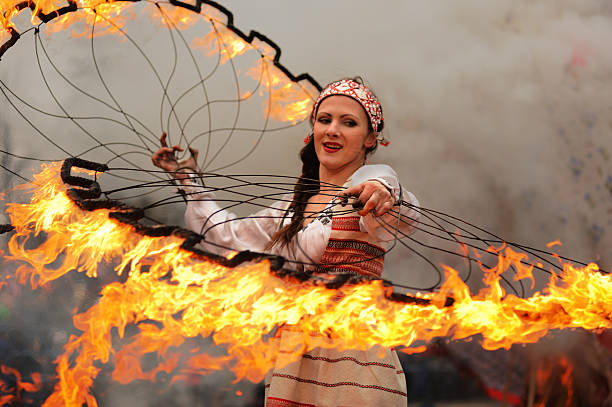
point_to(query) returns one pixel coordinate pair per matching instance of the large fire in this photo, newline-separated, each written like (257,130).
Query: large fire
(172,294)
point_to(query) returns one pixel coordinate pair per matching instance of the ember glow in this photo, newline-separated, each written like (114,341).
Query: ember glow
(17,391)
(171,295)
(549,370)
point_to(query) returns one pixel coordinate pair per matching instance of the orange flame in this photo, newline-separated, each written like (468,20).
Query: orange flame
(240,307)
(15,393)
(108,18)
(7,12)
(176,17)
(222,41)
(566,379)
(287,101)
(548,371)
(101,12)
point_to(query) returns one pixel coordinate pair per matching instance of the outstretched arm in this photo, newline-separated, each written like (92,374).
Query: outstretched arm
(221,228)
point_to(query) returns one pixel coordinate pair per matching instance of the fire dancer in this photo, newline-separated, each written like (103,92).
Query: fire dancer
(315,230)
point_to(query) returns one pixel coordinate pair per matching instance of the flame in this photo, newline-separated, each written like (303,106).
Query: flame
(287,101)
(566,379)
(177,17)
(109,16)
(15,393)
(222,41)
(547,373)
(506,258)
(188,297)
(7,12)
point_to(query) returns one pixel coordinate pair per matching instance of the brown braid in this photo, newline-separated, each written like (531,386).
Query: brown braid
(306,187)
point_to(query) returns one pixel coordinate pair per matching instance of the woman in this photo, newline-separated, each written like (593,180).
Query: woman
(347,121)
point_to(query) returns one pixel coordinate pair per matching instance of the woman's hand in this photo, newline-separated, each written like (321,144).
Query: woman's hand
(165,159)
(373,196)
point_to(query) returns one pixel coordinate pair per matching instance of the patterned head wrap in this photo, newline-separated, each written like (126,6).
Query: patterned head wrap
(357,91)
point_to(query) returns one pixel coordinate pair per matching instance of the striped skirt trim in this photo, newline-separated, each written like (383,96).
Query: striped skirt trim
(347,358)
(338,384)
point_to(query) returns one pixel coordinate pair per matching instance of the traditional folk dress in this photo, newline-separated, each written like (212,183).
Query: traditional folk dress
(336,244)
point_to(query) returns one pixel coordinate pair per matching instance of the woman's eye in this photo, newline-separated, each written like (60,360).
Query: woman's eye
(350,123)
(324,120)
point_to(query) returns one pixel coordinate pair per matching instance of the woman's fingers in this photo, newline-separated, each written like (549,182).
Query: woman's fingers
(161,154)
(164,158)
(373,196)
(192,161)
(355,190)
(371,201)
(384,208)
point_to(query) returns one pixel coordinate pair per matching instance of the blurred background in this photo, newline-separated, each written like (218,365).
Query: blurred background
(499,113)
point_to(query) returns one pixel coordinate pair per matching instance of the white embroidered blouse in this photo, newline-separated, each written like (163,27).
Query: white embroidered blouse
(227,233)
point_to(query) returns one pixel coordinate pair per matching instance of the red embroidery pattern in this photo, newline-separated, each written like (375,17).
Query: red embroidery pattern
(363,386)
(347,358)
(360,93)
(276,402)
(352,256)
(346,223)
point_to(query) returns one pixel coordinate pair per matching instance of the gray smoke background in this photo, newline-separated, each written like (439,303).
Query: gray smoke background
(498,112)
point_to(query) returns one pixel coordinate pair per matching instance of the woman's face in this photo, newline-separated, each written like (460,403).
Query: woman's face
(341,134)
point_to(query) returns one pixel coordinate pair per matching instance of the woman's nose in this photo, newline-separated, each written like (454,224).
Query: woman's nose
(332,129)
